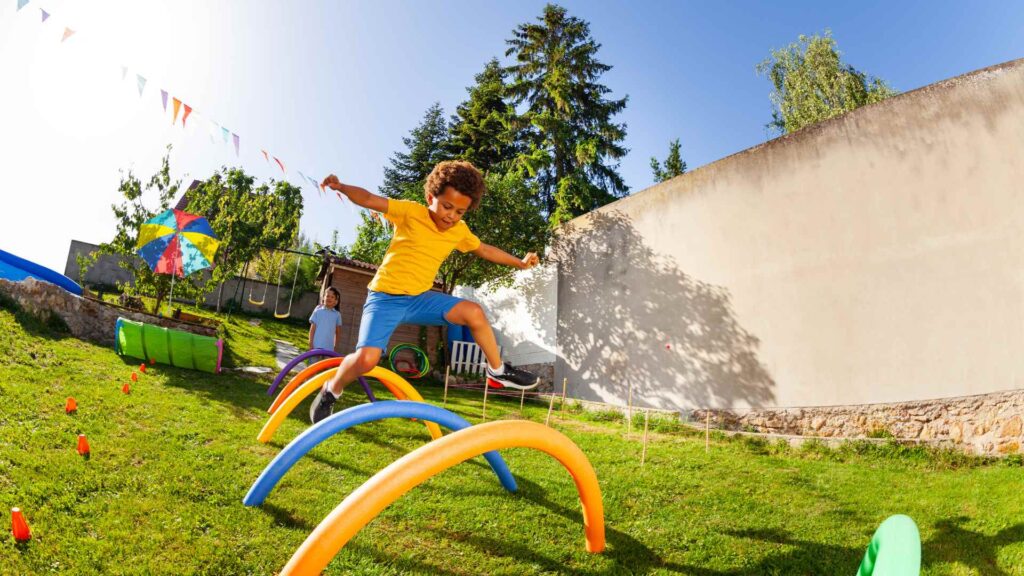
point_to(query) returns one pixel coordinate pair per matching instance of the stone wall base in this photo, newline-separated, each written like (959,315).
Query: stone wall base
(986,424)
(86,319)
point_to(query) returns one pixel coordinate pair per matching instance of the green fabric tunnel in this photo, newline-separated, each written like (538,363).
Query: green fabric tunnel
(168,346)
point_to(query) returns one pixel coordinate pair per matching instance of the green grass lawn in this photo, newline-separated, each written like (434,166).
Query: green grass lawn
(170,463)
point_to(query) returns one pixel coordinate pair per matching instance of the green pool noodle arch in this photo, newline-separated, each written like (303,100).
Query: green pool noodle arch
(895,549)
(168,346)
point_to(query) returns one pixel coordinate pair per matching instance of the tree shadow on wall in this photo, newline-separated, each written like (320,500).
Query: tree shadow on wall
(628,316)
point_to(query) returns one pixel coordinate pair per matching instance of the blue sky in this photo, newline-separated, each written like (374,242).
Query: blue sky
(334,86)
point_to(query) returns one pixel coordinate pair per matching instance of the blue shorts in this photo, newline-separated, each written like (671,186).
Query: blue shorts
(383,312)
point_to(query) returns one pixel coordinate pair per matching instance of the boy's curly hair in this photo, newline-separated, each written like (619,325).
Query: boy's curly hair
(458,174)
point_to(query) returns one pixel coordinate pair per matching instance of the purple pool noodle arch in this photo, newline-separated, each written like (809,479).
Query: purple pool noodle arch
(295,362)
(313,354)
(366,388)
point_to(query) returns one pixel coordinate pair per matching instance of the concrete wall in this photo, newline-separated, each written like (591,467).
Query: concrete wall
(876,257)
(105,272)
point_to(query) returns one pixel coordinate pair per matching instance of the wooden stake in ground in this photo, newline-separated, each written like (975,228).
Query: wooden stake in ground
(522,397)
(561,406)
(483,416)
(707,430)
(643,455)
(445,403)
(550,406)
(629,412)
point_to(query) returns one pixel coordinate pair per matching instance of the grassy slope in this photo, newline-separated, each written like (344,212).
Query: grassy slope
(162,490)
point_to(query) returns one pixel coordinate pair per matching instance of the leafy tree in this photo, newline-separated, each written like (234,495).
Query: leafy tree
(811,83)
(509,217)
(308,265)
(372,239)
(246,217)
(130,215)
(484,128)
(268,266)
(571,138)
(674,164)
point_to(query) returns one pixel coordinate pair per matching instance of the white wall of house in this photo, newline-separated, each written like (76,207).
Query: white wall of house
(522,315)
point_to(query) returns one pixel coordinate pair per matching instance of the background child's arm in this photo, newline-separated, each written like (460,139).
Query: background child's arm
(499,256)
(337,335)
(312,331)
(358,196)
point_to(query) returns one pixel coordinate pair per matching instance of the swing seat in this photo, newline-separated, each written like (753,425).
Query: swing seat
(255,303)
(282,316)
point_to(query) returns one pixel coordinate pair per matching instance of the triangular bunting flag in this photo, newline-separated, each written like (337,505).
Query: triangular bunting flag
(141,82)
(67,34)
(225,132)
(45,14)
(176,104)
(188,110)
(22,3)
(279,164)
(163,98)
(317,188)
(235,138)
(265,157)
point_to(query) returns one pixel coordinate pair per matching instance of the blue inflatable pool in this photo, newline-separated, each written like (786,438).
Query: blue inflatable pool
(17,269)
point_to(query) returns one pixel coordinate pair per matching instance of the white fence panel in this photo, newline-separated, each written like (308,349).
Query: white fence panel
(467,357)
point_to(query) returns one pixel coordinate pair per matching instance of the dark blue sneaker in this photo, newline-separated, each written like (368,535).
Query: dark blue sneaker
(323,405)
(512,378)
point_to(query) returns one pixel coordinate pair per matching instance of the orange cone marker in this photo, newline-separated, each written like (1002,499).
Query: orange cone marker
(83,445)
(135,377)
(70,406)
(126,388)
(142,367)
(19,527)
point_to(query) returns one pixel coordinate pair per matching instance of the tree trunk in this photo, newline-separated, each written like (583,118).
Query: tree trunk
(220,290)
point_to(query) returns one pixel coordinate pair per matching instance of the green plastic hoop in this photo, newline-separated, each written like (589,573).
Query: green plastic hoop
(424,364)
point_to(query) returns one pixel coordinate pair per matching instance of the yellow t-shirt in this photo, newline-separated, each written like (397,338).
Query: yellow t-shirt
(417,249)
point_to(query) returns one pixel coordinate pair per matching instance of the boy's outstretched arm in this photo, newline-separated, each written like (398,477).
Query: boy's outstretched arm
(358,196)
(499,256)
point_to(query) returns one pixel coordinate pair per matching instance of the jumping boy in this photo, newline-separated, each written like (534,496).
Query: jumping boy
(400,291)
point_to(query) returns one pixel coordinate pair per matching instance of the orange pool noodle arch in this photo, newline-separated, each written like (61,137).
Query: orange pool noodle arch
(393,382)
(404,474)
(306,373)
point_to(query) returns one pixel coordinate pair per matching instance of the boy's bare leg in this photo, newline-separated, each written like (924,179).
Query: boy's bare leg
(470,314)
(353,366)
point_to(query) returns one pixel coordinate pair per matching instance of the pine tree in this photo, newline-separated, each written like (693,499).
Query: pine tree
(571,138)
(674,164)
(426,145)
(483,129)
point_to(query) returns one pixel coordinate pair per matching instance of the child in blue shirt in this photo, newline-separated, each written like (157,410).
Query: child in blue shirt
(325,322)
